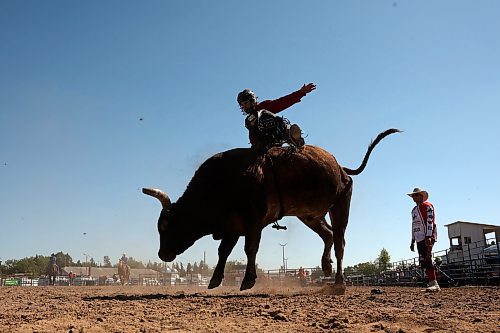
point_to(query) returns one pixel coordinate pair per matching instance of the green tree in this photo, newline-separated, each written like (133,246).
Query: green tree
(196,269)
(204,269)
(159,267)
(366,268)
(383,261)
(134,263)
(107,262)
(36,265)
(349,270)
(234,265)
(177,267)
(63,259)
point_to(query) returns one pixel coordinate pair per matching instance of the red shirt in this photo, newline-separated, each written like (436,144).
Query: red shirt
(274,106)
(280,104)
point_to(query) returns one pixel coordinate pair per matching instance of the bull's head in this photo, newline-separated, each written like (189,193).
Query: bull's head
(175,237)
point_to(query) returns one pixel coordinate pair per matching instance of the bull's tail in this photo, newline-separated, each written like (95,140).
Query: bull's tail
(372,145)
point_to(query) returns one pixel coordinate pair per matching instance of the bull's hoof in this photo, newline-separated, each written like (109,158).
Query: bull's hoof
(247,284)
(214,283)
(339,289)
(333,289)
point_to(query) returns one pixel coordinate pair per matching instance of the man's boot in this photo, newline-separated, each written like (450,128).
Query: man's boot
(433,286)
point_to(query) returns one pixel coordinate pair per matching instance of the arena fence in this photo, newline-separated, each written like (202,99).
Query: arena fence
(462,264)
(466,264)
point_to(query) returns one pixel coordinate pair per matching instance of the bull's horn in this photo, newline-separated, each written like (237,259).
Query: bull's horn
(158,194)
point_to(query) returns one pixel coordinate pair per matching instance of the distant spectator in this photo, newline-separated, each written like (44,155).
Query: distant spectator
(71,277)
(302,276)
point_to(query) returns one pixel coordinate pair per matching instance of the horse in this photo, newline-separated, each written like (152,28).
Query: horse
(52,272)
(123,272)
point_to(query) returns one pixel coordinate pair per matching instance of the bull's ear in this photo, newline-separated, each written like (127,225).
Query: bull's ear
(158,194)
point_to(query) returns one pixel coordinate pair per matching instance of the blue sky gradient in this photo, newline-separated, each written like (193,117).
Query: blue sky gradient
(77,77)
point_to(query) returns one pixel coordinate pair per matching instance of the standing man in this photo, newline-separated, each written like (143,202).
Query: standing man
(265,129)
(424,233)
(71,277)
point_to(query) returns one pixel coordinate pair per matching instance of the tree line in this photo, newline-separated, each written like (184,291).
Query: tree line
(37,265)
(381,264)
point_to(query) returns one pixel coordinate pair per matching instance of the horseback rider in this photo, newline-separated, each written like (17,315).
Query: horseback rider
(124,259)
(265,128)
(123,269)
(53,259)
(52,269)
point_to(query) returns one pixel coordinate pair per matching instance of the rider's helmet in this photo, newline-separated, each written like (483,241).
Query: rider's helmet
(124,255)
(246,95)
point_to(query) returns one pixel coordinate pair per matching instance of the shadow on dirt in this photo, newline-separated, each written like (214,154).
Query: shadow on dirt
(122,297)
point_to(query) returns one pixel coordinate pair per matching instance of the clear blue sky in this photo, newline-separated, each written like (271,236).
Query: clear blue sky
(76,77)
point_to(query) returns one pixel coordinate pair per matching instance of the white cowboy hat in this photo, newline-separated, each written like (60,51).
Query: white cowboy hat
(418,190)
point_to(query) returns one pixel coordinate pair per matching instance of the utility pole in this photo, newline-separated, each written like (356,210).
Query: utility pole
(86,263)
(204,263)
(284,260)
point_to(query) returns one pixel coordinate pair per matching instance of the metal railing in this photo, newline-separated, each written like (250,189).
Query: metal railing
(464,264)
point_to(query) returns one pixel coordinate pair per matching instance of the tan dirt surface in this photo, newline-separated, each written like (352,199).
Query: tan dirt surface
(176,309)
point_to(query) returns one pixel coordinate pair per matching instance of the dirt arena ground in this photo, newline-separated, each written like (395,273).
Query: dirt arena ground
(169,309)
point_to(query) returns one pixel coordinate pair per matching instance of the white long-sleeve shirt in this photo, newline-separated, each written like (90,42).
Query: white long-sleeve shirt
(423,222)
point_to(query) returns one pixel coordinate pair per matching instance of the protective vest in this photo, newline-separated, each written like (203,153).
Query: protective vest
(423,222)
(271,130)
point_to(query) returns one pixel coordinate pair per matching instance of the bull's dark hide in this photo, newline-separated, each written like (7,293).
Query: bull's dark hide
(239,192)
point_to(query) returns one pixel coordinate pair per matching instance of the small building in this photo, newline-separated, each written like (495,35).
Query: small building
(468,239)
(137,275)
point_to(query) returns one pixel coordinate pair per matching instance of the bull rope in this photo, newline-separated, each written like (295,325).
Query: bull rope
(281,213)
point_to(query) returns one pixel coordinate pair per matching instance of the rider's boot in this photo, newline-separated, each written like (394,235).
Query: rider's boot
(296,135)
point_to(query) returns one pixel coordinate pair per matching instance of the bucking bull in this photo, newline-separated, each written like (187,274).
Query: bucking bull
(238,193)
